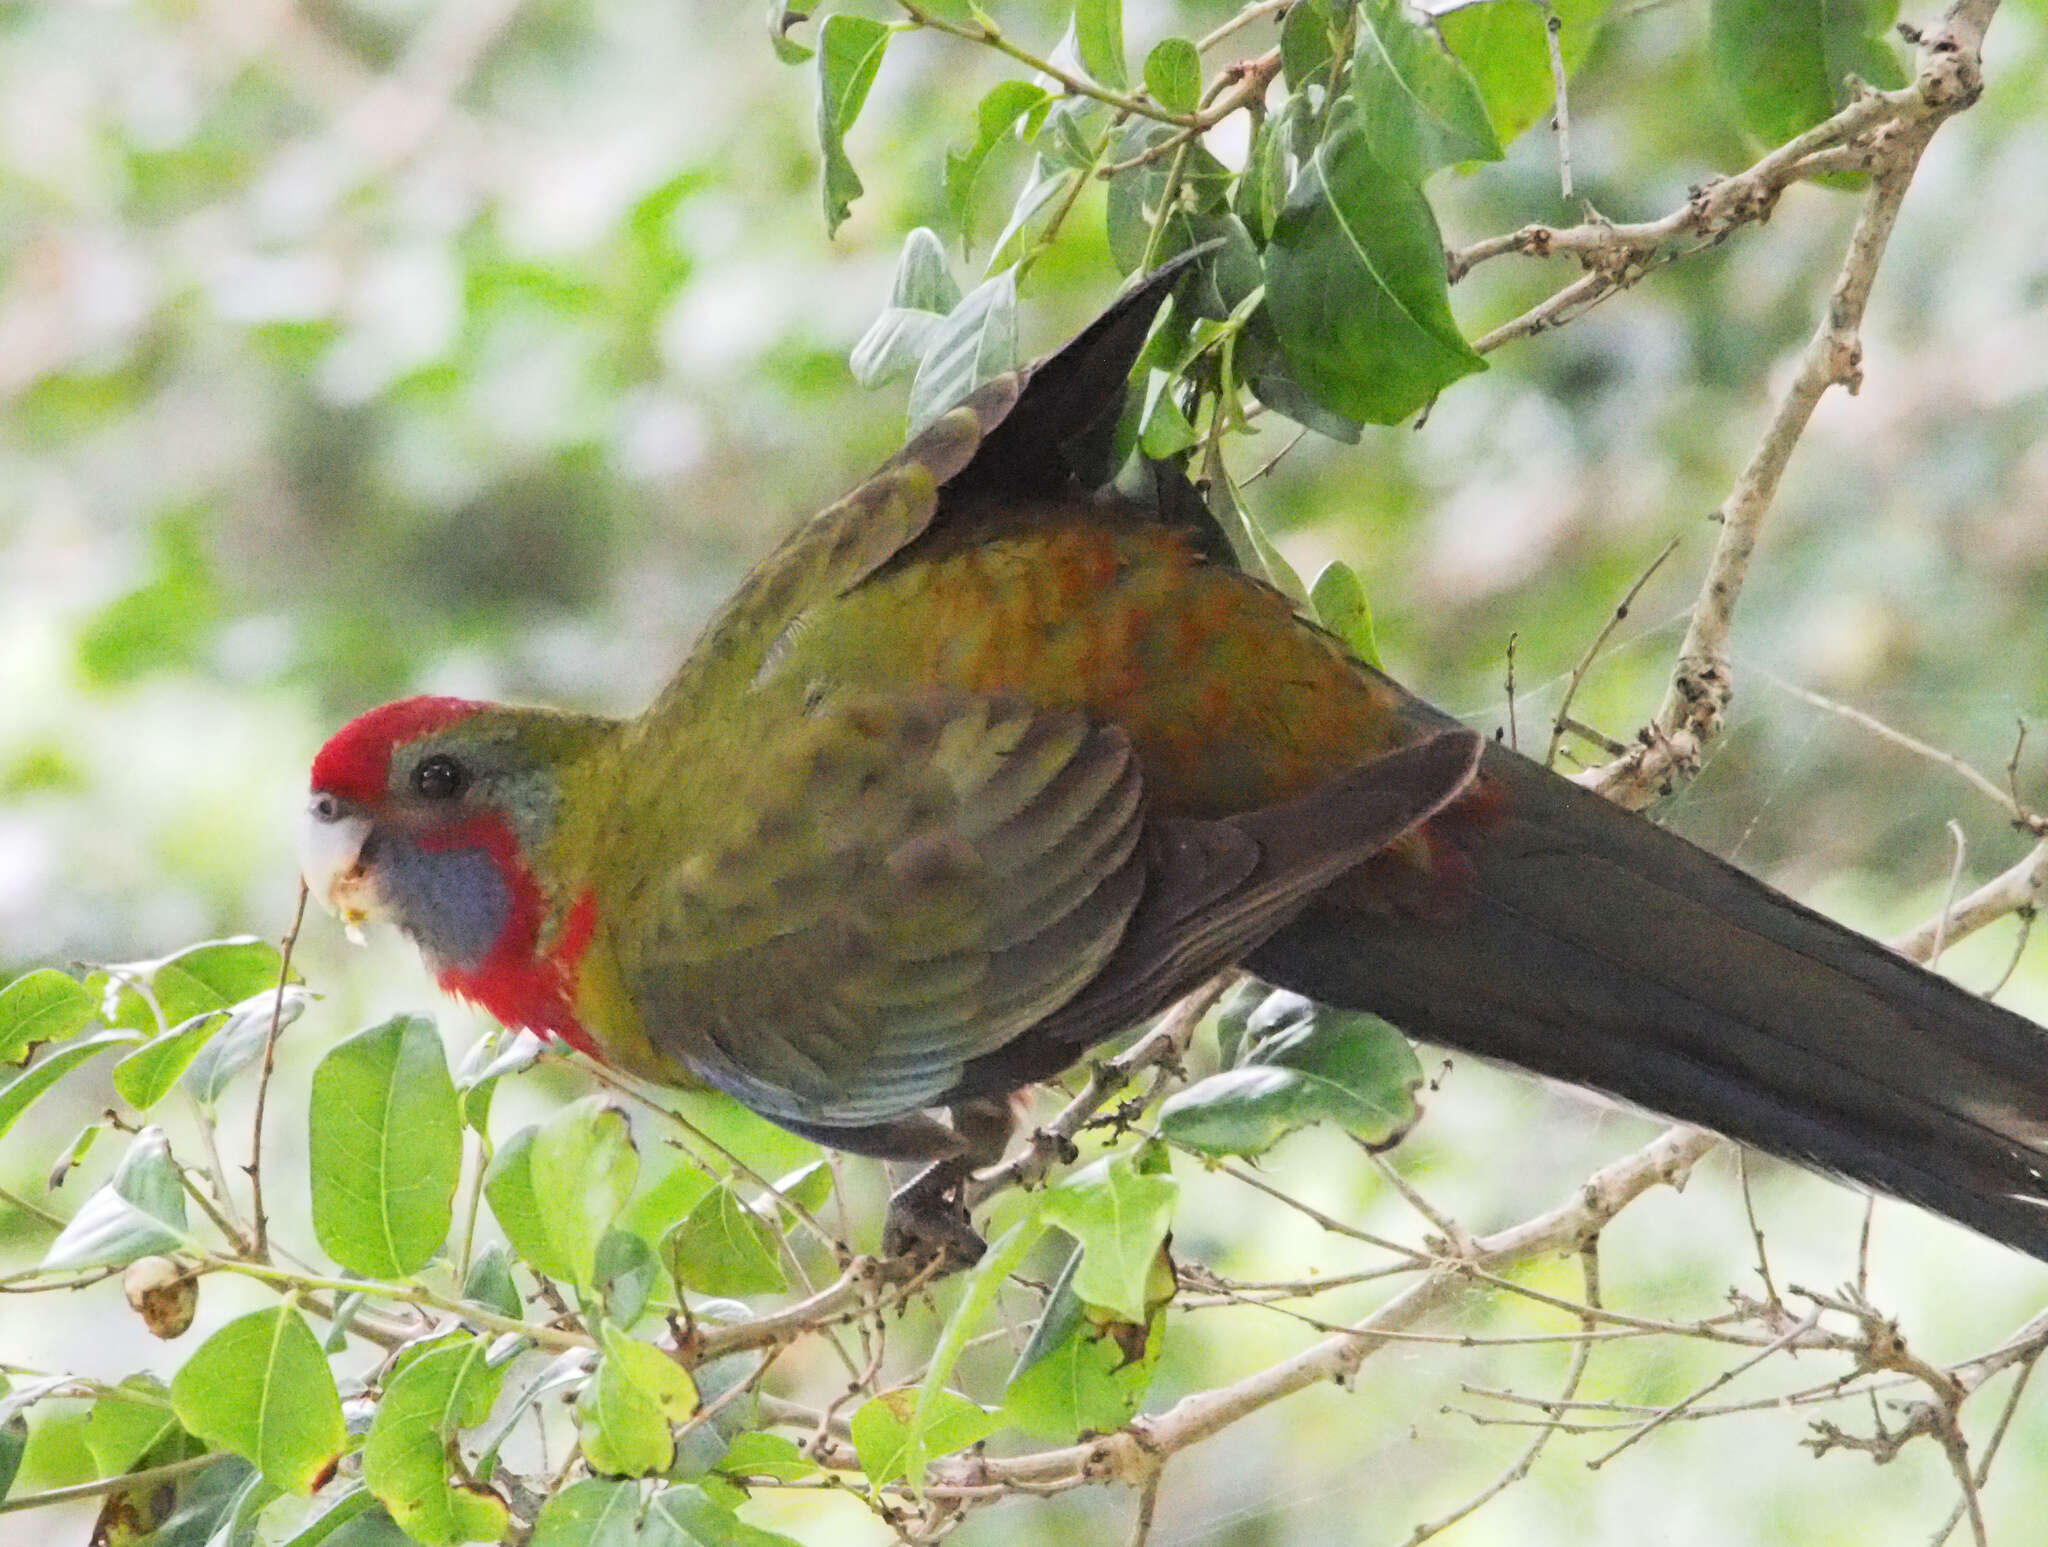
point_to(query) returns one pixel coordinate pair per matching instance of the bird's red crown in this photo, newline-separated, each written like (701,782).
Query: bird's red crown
(356,762)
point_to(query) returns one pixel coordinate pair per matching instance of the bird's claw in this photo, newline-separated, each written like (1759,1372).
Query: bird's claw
(926,1219)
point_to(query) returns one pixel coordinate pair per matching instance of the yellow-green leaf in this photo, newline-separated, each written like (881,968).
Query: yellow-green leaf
(261,1388)
(385,1148)
(405,1457)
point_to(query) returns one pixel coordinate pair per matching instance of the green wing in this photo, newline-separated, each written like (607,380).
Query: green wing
(1034,433)
(899,887)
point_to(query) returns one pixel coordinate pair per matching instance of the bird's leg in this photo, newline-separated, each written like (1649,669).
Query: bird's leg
(925,1213)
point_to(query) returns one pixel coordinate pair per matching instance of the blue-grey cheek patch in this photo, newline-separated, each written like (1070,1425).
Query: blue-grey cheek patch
(453,902)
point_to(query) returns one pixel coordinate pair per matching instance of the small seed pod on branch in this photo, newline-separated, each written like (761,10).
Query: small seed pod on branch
(163,1293)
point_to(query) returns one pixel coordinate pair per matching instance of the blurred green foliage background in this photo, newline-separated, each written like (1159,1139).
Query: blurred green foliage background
(370,346)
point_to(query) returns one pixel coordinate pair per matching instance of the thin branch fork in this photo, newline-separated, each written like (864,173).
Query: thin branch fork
(1134,1454)
(1950,79)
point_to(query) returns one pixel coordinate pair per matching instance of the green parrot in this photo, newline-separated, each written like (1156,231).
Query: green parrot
(996,757)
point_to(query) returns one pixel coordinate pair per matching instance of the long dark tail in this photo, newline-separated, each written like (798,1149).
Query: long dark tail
(1599,949)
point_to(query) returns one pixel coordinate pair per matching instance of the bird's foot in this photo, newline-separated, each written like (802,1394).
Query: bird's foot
(926,1219)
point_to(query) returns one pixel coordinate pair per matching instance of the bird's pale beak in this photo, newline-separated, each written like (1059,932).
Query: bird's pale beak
(331,839)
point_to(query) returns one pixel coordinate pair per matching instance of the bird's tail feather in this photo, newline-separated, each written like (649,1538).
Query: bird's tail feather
(1594,947)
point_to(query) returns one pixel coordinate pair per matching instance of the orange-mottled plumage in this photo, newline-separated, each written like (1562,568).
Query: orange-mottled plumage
(1232,701)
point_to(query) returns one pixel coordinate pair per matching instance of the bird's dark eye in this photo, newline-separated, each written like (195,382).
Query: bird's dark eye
(440,777)
(326,808)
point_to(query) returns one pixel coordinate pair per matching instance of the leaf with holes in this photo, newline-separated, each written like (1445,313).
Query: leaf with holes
(628,1410)
(406,1455)
(1085,1369)
(1119,1210)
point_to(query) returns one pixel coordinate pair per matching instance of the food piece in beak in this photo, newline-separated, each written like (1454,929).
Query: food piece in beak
(331,844)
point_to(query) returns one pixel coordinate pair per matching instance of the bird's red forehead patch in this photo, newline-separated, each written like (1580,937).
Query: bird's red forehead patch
(356,761)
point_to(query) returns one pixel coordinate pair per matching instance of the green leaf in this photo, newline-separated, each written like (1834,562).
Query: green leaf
(624,1275)
(148,1074)
(1173,74)
(1356,288)
(892,345)
(125,1425)
(322,1528)
(977,341)
(687,1516)
(42,1006)
(627,1410)
(782,20)
(1233,1014)
(891,1442)
(1786,63)
(1163,427)
(850,49)
(13,1441)
(138,1211)
(489,1283)
(1422,109)
(597,1512)
(1120,1215)
(655,1209)
(406,1455)
(1262,190)
(1079,1372)
(1071,134)
(757,1453)
(235,1526)
(165,623)
(28,1087)
(489,1059)
(557,1188)
(1503,45)
(997,118)
(584,1166)
(515,1203)
(1338,597)
(807,1188)
(1300,1063)
(78,1149)
(1048,181)
(724,1248)
(1136,196)
(1099,41)
(154,996)
(385,1149)
(1255,551)
(1312,40)
(238,1043)
(261,1388)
